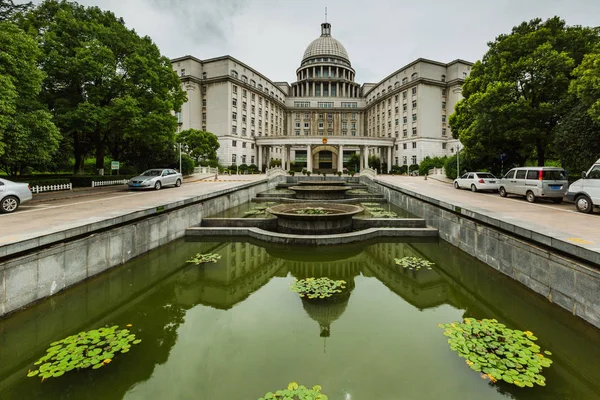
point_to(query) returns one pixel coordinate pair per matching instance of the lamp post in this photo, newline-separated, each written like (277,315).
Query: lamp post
(180,170)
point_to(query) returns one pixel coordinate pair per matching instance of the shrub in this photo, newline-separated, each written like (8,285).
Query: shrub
(187,165)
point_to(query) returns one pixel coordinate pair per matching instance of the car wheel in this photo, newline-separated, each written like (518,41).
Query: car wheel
(157,185)
(584,204)
(9,204)
(502,191)
(456,185)
(178,183)
(557,200)
(530,197)
(473,188)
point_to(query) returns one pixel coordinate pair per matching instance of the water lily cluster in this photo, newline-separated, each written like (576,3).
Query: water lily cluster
(414,263)
(318,288)
(204,258)
(312,211)
(497,352)
(95,349)
(296,392)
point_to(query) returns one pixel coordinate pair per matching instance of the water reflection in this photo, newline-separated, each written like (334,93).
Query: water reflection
(158,292)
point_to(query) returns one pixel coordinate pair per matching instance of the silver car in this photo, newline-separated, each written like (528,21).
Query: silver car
(12,194)
(477,181)
(156,179)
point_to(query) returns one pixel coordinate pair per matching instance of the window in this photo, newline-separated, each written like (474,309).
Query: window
(244,92)
(397,122)
(234,73)
(243,145)
(404,160)
(443,131)
(414,159)
(234,129)
(414,117)
(244,106)
(329,116)
(306,125)
(349,104)
(464,74)
(253,96)
(234,116)
(414,145)
(404,146)
(414,131)
(443,78)
(405,119)
(404,94)
(233,158)
(234,89)
(404,132)
(306,115)
(443,92)
(404,107)
(297,132)
(329,125)
(302,104)
(353,125)
(253,109)
(253,83)
(325,104)
(245,78)
(443,105)
(234,143)
(594,173)
(521,173)
(183,72)
(532,174)
(404,80)
(414,76)
(321,125)
(414,104)
(203,102)
(443,146)
(251,159)
(353,115)
(414,91)
(234,102)
(443,119)
(510,174)
(204,117)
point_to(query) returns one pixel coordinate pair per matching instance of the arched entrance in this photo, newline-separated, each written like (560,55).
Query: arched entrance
(324,158)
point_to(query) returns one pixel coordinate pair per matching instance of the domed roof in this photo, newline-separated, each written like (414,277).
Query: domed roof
(325,45)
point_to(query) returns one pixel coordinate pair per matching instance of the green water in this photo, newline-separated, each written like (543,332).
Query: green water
(234,330)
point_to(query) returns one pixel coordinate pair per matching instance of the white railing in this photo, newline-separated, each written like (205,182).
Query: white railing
(205,170)
(109,183)
(52,188)
(370,172)
(437,171)
(275,171)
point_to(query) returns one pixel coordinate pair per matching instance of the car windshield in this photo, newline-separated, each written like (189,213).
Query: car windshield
(152,172)
(486,176)
(554,175)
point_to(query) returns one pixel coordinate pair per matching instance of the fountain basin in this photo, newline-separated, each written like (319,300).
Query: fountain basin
(320,192)
(321,183)
(338,218)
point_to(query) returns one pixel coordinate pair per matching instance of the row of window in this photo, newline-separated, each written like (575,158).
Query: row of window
(234,144)
(413,77)
(329,125)
(307,132)
(244,79)
(345,116)
(234,159)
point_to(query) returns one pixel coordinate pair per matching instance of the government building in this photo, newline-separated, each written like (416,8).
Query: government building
(324,117)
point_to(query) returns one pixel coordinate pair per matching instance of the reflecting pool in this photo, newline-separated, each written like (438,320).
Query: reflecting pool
(234,330)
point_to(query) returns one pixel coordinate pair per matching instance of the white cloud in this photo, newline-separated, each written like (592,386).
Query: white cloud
(380,35)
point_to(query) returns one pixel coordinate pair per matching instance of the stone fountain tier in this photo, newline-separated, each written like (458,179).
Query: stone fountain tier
(337,220)
(320,192)
(321,183)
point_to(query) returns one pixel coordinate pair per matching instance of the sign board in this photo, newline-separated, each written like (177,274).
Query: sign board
(324,140)
(114,165)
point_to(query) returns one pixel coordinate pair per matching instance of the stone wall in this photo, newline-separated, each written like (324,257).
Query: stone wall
(44,271)
(572,284)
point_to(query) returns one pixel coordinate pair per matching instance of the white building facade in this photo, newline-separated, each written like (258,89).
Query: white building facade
(324,117)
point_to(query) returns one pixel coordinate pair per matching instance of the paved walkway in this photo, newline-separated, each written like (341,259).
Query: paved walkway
(560,221)
(42,217)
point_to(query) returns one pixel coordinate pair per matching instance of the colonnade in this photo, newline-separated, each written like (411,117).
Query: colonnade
(382,152)
(342,89)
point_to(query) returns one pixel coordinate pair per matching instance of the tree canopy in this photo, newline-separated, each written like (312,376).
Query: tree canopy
(199,145)
(515,96)
(28,137)
(8,9)
(587,84)
(108,88)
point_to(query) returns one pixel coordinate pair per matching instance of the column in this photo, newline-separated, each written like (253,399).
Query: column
(283,159)
(340,157)
(288,157)
(321,87)
(259,150)
(366,161)
(309,157)
(313,89)
(390,150)
(361,158)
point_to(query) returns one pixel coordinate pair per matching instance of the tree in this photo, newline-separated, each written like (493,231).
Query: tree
(587,84)
(353,162)
(199,144)
(578,139)
(28,137)
(8,9)
(514,97)
(108,88)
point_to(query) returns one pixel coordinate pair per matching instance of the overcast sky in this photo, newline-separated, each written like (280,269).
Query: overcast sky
(380,36)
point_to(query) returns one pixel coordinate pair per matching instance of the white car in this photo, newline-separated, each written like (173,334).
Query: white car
(156,179)
(586,191)
(12,194)
(476,181)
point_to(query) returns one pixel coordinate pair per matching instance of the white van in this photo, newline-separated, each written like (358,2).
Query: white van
(586,191)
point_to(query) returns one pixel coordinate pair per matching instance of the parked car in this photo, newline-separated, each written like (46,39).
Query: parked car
(477,181)
(535,182)
(13,194)
(585,192)
(156,179)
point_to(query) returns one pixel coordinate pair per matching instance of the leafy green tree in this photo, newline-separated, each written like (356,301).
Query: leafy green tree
(353,162)
(28,137)
(431,162)
(109,88)
(578,139)
(514,97)
(587,84)
(8,9)
(199,144)
(374,162)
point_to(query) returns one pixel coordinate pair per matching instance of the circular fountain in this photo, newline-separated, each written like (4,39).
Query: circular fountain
(314,218)
(320,192)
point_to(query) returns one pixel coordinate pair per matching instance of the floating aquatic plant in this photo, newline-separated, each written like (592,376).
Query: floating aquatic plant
(369,204)
(204,258)
(256,211)
(375,209)
(413,263)
(95,348)
(318,288)
(312,211)
(297,392)
(498,352)
(384,214)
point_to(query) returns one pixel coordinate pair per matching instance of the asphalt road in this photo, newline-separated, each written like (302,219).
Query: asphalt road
(41,217)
